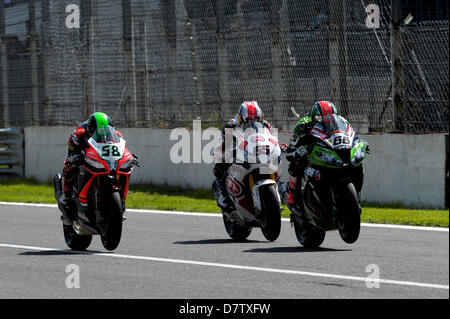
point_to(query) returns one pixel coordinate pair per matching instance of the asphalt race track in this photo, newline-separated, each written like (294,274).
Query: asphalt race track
(166,255)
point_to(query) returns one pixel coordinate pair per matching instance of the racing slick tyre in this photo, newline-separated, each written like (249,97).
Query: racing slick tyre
(111,225)
(308,235)
(349,220)
(270,218)
(75,241)
(234,230)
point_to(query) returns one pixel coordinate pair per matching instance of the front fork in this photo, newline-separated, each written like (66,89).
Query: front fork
(255,190)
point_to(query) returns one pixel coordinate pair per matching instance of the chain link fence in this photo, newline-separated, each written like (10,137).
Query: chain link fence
(163,63)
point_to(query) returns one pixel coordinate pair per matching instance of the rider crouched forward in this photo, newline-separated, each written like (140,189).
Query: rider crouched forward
(248,112)
(301,144)
(77,142)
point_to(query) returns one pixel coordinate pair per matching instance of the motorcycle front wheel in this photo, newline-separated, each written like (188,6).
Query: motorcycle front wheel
(111,225)
(349,219)
(270,219)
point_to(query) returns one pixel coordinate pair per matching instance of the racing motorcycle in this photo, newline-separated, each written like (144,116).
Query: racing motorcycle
(331,185)
(251,182)
(100,191)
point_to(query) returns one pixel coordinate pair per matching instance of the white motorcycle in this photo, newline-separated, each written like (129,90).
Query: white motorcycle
(251,181)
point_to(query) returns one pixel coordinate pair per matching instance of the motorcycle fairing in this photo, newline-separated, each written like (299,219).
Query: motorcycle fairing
(112,156)
(255,191)
(110,152)
(336,133)
(236,181)
(317,202)
(254,144)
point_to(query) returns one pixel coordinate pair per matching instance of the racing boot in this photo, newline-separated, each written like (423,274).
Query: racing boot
(63,205)
(67,191)
(221,195)
(64,201)
(294,201)
(291,190)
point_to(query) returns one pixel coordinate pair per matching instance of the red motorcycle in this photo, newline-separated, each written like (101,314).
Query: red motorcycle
(100,191)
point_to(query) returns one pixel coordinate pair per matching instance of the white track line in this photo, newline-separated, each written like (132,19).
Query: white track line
(169,212)
(241,267)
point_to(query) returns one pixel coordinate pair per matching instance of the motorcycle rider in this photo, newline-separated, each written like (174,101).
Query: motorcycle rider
(76,143)
(301,145)
(249,111)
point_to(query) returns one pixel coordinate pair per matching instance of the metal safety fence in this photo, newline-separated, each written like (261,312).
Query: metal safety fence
(163,63)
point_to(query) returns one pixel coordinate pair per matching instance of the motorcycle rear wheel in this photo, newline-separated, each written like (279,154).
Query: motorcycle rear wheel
(111,227)
(75,241)
(270,212)
(308,235)
(234,230)
(349,220)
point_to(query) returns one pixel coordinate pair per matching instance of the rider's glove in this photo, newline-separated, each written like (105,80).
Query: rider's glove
(290,153)
(283,147)
(267,124)
(134,161)
(296,154)
(75,159)
(301,152)
(367,148)
(231,123)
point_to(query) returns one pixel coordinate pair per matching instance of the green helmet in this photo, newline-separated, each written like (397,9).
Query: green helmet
(98,120)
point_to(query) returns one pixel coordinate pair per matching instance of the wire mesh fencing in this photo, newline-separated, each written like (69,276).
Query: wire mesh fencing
(155,63)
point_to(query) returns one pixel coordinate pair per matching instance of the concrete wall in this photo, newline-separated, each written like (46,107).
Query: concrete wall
(408,169)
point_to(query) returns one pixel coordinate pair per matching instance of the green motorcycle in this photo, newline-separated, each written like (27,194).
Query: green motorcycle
(331,185)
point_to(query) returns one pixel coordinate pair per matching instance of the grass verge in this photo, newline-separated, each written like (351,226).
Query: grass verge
(175,198)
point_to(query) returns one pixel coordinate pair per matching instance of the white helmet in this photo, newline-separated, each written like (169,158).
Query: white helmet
(250,111)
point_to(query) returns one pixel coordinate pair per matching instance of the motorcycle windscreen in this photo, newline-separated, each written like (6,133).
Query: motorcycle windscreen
(257,126)
(106,135)
(262,147)
(235,141)
(332,124)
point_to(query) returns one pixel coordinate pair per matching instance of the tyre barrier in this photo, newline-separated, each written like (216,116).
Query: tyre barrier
(11,152)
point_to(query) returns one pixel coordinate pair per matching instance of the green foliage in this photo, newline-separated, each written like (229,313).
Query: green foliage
(404,216)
